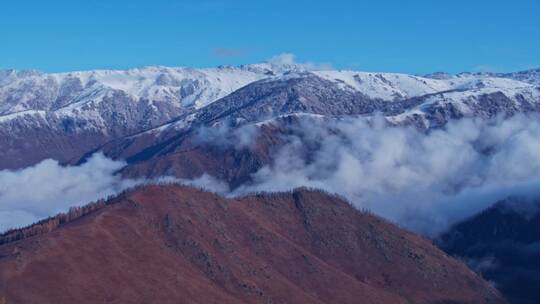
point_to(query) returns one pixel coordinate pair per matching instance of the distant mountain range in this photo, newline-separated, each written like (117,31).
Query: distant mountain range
(68,114)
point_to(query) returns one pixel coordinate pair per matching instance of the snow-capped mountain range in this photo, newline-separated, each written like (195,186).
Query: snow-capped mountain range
(80,93)
(167,92)
(86,109)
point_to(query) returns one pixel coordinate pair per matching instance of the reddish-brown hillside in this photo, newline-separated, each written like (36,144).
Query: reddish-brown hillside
(175,244)
(184,156)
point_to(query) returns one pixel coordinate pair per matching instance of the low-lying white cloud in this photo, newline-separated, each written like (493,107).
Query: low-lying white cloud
(31,194)
(224,135)
(205,181)
(47,188)
(425,181)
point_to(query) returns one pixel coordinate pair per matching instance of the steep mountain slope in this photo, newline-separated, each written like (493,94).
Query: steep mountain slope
(183,151)
(180,149)
(502,243)
(165,244)
(217,152)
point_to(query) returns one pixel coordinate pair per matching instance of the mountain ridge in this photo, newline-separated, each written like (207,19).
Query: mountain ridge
(501,243)
(301,246)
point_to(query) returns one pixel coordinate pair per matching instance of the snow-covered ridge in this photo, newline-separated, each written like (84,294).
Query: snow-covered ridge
(196,88)
(184,87)
(394,86)
(147,97)
(531,76)
(187,87)
(15,115)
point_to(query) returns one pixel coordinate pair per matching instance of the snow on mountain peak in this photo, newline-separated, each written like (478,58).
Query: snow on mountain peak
(162,93)
(118,103)
(395,86)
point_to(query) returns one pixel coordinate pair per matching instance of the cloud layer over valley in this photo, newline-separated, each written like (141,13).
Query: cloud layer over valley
(48,188)
(31,194)
(424,181)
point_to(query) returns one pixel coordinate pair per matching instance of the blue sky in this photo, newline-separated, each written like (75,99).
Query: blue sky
(401,36)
